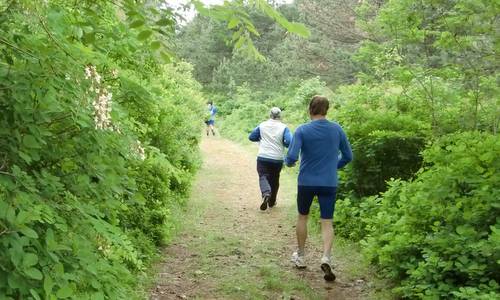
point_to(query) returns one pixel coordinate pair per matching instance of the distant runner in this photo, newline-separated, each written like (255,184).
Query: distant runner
(273,136)
(210,118)
(319,143)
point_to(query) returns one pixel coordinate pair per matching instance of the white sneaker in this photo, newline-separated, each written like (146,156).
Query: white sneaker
(298,260)
(326,266)
(325,260)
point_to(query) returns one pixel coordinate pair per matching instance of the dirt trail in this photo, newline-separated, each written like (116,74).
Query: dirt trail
(231,250)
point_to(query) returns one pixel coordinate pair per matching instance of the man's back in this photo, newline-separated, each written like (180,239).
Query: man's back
(320,142)
(271,139)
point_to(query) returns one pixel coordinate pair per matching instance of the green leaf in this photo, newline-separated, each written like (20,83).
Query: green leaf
(89,38)
(136,23)
(50,240)
(144,34)
(240,42)
(29,232)
(155,45)
(25,157)
(30,141)
(167,58)
(10,215)
(233,23)
(22,217)
(65,292)
(15,281)
(98,296)
(34,273)
(3,209)
(35,294)
(198,5)
(48,284)
(164,22)
(298,28)
(29,260)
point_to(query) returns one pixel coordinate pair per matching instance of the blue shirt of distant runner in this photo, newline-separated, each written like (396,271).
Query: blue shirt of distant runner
(212,110)
(319,143)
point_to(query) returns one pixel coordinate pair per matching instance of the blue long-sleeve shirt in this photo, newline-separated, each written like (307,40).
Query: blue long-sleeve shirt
(319,143)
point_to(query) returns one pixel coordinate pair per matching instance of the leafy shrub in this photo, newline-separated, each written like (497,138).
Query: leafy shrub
(243,120)
(98,144)
(351,215)
(439,234)
(296,107)
(386,144)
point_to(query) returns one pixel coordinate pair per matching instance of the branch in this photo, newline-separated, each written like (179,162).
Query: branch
(4,162)
(54,39)
(5,42)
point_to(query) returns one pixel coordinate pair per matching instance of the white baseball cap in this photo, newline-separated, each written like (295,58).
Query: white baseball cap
(275,113)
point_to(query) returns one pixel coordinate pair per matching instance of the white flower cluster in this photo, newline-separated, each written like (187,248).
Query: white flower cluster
(139,150)
(102,99)
(102,109)
(91,73)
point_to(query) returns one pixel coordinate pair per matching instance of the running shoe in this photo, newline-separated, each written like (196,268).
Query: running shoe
(265,200)
(298,260)
(326,266)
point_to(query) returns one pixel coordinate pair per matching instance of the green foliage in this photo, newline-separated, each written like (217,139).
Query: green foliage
(289,58)
(438,235)
(386,142)
(246,114)
(98,147)
(240,22)
(443,62)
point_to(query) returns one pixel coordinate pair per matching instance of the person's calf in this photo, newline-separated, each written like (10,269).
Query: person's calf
(301,230)
(327,235)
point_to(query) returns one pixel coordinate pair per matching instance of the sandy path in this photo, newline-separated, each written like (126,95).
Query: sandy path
(231,250)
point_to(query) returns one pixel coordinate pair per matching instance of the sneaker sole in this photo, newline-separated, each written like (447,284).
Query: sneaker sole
(329,276)
(263,206)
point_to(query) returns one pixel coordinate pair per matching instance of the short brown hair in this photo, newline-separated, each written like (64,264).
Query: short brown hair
(319,105)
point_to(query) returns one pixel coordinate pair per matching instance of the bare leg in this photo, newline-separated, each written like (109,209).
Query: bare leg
(327,233)
(301,232)
(213,129)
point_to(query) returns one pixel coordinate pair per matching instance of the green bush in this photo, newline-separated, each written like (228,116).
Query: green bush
(351,215)
(98,144)
(439,235)
(386,143)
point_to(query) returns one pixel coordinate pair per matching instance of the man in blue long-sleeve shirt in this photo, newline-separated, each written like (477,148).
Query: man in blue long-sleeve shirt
(273,136)
(319,143)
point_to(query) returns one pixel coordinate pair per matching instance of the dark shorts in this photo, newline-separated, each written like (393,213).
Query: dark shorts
(326,198)
(210,122)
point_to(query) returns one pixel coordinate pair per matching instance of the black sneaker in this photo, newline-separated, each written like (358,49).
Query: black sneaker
(327,269)
(272,203)
(265,200)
